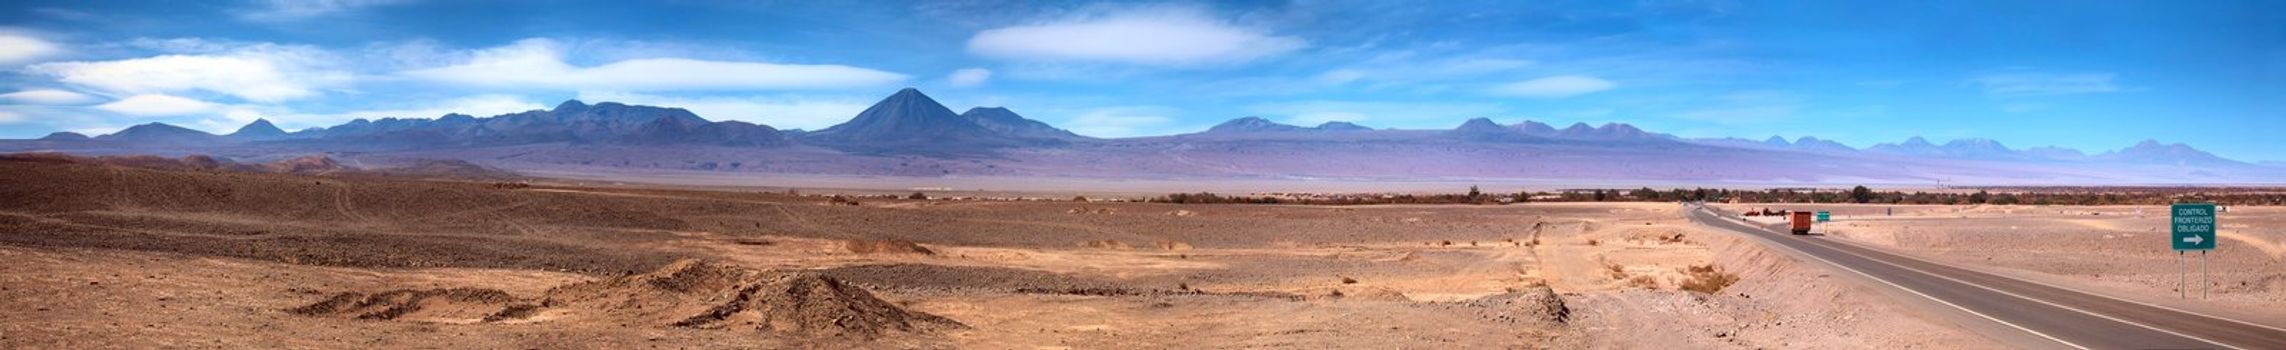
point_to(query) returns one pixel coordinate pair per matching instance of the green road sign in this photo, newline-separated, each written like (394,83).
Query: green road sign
(1824,217)
(2194,226)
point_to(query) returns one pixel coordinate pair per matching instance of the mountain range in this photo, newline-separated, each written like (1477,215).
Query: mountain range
(908,133)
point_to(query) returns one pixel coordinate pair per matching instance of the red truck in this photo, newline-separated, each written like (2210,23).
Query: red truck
(1801,221)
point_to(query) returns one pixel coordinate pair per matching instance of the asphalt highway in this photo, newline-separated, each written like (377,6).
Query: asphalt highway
(2071,318)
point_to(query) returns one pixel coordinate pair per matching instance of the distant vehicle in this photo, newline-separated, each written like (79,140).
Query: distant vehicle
(1801,221)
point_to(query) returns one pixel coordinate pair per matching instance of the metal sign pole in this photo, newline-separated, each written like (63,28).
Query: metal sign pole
(2204,288)
(2182,283)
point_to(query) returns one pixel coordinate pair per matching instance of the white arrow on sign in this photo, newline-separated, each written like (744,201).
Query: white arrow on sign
(2194,239)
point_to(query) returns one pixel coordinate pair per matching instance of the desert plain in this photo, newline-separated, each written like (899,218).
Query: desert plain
(109,256)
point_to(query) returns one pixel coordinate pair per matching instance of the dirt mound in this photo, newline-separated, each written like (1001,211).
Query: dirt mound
(448,169)
(687,293)
(1537,304)
(699,294)
(455,305)
(885,246)
(313,164)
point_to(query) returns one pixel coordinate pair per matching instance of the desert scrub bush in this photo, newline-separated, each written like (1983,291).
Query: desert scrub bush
(1645,282)
(1707,279)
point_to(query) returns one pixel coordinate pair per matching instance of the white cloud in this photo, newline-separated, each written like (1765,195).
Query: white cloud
(158,105)
(47,97)
(969,77)
(256,72)
(1123,121)
(809,113)
(2017,84)
(539,63)
(287,10)
(7,117)
(1157,36)
(1560,86)
(18,48)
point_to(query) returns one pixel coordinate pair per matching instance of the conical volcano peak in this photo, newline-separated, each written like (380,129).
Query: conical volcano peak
(260,129)
(909,118)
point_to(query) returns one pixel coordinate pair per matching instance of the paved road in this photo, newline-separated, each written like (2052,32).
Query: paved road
(2072,318)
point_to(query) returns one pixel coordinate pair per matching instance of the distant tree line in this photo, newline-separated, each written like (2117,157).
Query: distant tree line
(1859,194)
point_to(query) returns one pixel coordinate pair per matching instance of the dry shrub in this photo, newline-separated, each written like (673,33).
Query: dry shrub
(1172,245)
(1645,282)
(1107,244)
(1707,279)
(1617,272)
(1347,280)
(886,246)
(1592,242)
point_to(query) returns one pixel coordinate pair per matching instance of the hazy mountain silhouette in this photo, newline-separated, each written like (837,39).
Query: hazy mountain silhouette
(259,130)
(161,133)
(1007,123)
(910,134)
(911,122)
(64,136)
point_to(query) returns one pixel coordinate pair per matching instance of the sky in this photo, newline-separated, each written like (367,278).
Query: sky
(2090,75)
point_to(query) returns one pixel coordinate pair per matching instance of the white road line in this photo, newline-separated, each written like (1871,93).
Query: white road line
(2101,295)
(1915,292)
(2037,300)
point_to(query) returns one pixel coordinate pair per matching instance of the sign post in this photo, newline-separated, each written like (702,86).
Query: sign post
(2194,229)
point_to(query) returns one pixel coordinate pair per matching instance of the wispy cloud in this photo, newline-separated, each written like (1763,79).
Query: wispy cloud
(159,105)
(1560,86)
(259,72)
(18,48)
(47,97)
(291,10)
(540,64)
(969,77)
(1161,36)
(2022,84)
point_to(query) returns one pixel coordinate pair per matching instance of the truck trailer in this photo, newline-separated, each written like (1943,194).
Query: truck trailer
(1801,222)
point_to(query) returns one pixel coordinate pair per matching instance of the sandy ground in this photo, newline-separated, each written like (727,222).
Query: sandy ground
(2118,251)
(203,260)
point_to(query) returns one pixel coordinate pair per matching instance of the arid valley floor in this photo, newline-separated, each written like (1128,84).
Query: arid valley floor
(118,257)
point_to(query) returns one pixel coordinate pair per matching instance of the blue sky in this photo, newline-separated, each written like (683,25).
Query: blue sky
(2092,75)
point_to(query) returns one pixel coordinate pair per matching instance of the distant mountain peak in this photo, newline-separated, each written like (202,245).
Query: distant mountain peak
(1340,126)
(1774,140)
(909,121)
(1480,125)
(1917,141)
(64,136)
(1251,124)
(570,106)
(156,132)
(1008,123)
(260,129)
(2152,151)
(1534,128)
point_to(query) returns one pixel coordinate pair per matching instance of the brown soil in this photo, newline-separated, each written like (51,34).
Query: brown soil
(886,246)
(186,258)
